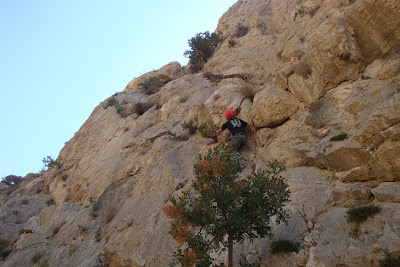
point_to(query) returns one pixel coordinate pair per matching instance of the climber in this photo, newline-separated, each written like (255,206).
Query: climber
(238,128)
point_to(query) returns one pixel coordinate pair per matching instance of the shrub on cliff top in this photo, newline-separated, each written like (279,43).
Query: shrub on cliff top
(202,48)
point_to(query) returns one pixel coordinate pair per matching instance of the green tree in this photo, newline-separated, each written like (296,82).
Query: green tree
(202,48)
(225,208)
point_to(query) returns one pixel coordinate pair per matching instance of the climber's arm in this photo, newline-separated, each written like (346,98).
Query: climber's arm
(217,133)
(249,129)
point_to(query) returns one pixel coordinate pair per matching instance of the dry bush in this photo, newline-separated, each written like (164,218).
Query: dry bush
(241,30)
(151,85)
(208,129)
(262,27)
(231,43)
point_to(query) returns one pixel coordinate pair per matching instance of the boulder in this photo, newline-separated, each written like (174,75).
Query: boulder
(170,72)
(165,74)
(272,107)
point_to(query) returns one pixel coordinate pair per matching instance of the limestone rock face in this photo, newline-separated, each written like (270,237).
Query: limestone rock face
(319,81)
(376,26)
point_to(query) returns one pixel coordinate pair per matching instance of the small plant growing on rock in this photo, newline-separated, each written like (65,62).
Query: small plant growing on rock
(112,102)
(303,11)
(40,260)
(82,229)
(95,209)
(71,250)
(189,126)
(97,236)
(284,246)
(339,137)
(355,231)
(241,30)
(151,85)
(226,208)
(262,27)
(300,12)
(360,214)
(208,129)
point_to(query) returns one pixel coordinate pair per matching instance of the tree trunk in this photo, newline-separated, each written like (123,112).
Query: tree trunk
(230,250)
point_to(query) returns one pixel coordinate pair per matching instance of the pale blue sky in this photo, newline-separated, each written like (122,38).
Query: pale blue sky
(60,59)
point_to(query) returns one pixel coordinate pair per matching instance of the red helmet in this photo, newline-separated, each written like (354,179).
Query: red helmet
(229,113)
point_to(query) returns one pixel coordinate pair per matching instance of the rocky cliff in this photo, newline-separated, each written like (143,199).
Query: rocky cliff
(304,73)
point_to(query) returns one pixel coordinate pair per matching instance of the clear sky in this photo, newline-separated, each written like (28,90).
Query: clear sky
(60,59)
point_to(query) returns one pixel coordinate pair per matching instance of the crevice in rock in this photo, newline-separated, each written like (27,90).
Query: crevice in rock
(368,140)
(277,124)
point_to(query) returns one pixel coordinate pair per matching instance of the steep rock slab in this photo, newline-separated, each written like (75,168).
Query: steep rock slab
(329,59)
(109,147)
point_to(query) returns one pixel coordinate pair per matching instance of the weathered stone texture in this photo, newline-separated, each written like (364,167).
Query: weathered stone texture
(305,72)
